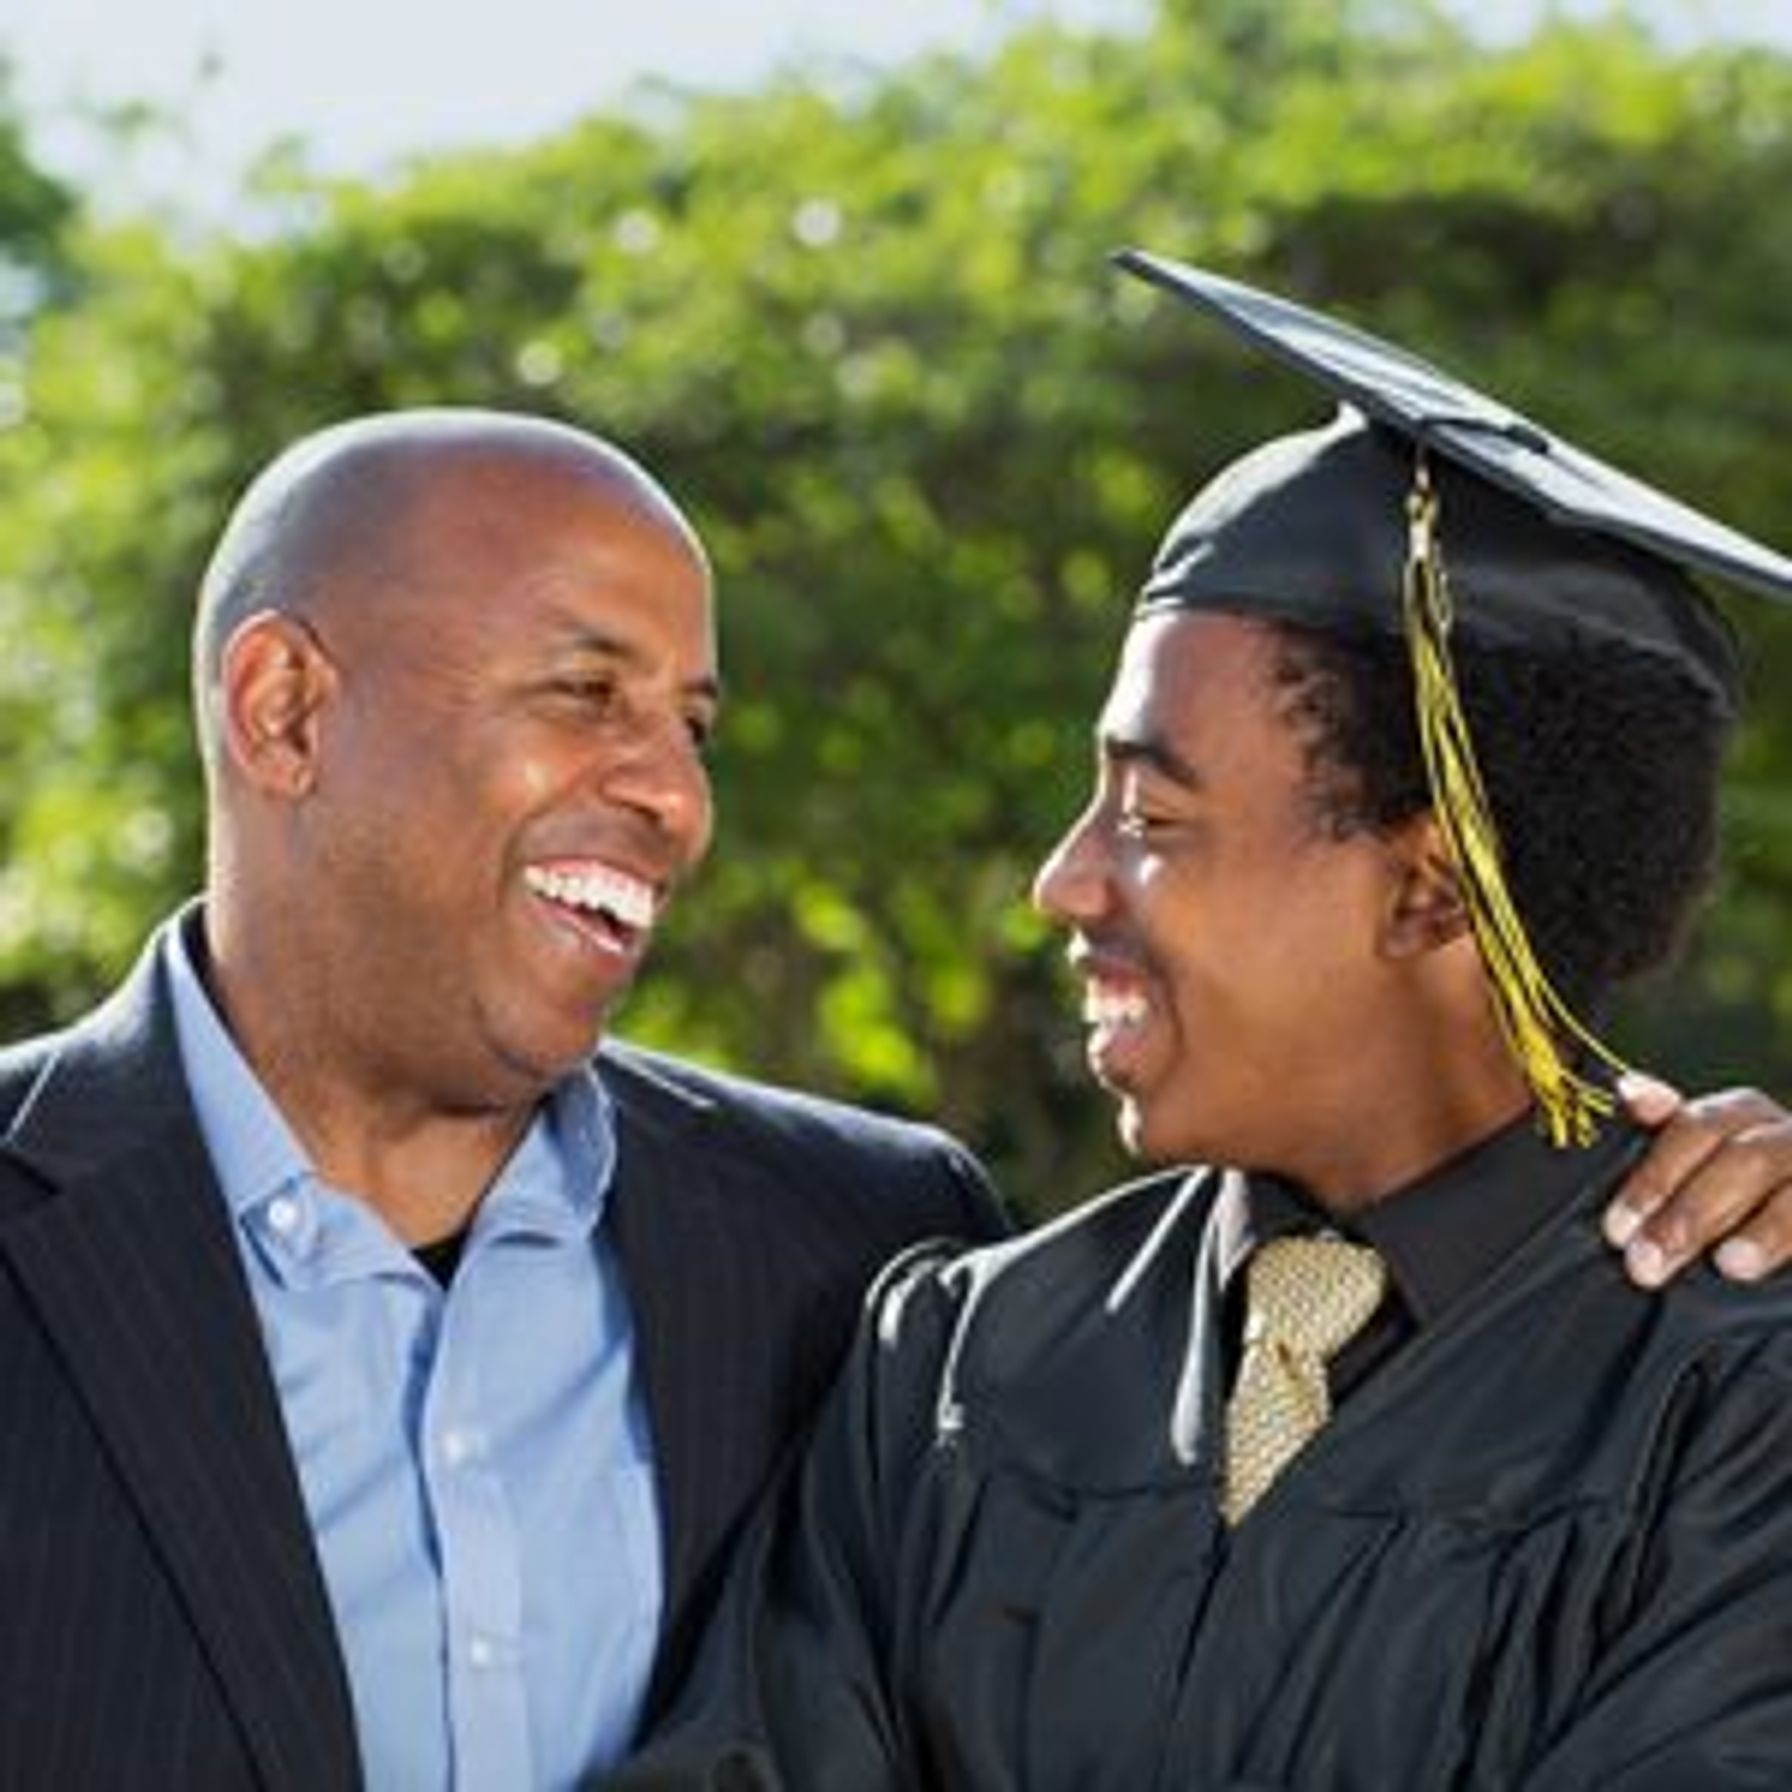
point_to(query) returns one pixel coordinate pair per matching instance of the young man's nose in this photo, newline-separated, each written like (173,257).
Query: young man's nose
(1071,885)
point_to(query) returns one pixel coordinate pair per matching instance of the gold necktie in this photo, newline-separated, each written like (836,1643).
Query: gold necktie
(1306,1298)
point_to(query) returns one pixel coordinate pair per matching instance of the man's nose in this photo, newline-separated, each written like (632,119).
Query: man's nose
(661,775)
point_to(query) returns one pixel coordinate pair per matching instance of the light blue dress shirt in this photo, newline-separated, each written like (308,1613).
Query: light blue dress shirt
(476,1460)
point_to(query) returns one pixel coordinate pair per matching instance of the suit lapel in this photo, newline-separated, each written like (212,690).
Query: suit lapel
(130,1264)
(671,1234)
(691,1250)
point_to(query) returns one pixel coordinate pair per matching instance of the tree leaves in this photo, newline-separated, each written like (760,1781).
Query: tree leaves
(863,327)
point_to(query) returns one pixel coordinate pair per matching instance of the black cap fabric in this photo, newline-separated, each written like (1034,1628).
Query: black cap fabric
(1543,542)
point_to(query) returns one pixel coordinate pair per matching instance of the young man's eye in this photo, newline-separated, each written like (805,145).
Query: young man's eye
(1135,824)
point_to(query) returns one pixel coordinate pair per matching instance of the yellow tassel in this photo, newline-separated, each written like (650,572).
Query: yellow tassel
(1539,1028)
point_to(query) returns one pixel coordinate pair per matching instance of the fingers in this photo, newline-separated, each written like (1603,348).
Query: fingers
(1719,1173)
(1648,1100)
(1671,1160)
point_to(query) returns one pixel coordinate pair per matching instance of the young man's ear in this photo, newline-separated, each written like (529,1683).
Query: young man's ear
(273,682)
(1425,907)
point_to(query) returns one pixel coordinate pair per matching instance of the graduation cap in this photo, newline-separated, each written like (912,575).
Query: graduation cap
(1431,511)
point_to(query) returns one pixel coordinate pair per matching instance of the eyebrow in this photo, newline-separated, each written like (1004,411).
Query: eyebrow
(582,638)
(1152,752)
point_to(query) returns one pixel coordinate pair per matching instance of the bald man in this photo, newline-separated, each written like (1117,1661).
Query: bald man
(385,1363)
(382,1365)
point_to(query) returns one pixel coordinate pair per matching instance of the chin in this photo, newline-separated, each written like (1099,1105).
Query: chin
(538,1058)
(573,1052)
(1154,1137)
(1135,1135)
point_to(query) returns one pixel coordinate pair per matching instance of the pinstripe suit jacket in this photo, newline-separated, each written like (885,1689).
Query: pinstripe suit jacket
(163,1619)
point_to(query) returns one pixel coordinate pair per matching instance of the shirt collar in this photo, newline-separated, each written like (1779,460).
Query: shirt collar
(1444,1233)
(555,1184)
(253,1150)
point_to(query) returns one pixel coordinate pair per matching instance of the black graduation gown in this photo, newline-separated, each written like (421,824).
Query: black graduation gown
(1548,1545)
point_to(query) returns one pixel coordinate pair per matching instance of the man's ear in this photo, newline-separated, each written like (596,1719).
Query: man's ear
(274,681)
(1425,907)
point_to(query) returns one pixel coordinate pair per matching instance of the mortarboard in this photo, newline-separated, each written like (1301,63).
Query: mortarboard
(1428,510)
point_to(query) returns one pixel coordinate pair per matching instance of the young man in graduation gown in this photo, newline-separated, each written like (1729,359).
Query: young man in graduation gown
(1410,759)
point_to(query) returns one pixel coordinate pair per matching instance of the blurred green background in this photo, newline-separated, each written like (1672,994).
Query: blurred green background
(863,327)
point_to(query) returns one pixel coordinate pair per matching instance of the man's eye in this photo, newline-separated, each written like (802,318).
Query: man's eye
(597,693)
(702,730)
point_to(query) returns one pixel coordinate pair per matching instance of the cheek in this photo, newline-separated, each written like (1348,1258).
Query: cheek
(532,780)
(704,823)
(1315,940)
(1266,932)
(513,772)
(1212,912)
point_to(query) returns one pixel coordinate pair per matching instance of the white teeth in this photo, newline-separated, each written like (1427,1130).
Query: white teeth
(600,889)
(1114,1008)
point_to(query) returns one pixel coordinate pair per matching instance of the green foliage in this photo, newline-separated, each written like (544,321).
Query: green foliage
(863,328)
(35,211)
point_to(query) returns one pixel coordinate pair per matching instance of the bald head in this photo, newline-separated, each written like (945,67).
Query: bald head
(335,520)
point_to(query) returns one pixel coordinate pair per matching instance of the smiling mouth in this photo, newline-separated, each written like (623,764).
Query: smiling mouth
(1117,1012)
(610,907)
(1109,1008)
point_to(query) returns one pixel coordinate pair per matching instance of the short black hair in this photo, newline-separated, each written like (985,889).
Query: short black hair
(1601,769)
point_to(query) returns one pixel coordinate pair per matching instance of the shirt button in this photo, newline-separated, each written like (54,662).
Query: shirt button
(283,1215)
(480,1651)
(459,1446)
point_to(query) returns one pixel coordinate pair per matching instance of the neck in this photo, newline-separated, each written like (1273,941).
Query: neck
(1452,1086)
(421,1161)
(1407,1148)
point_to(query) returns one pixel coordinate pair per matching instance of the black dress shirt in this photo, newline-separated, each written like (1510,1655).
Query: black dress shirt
(1440,1236)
